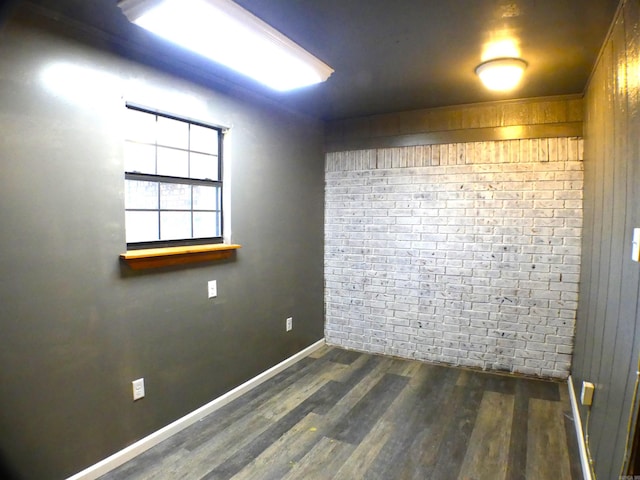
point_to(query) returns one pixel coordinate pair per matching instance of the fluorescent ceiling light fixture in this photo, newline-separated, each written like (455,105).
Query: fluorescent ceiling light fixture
(501,74)
(226,33)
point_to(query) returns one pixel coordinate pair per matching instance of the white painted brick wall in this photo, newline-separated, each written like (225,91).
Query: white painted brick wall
(466,254)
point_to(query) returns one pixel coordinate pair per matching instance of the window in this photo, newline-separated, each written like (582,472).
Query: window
(173,180)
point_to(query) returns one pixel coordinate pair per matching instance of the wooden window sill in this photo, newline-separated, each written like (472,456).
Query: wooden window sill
(163,257)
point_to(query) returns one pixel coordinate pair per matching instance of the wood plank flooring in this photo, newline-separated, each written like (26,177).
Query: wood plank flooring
(348,415)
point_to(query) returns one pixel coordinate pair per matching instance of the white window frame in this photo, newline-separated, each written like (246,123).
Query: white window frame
(218,183)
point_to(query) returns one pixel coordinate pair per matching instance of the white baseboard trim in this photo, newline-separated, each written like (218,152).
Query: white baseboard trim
(123,456)
(584,458)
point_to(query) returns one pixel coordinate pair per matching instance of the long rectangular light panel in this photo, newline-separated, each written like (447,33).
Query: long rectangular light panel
(226,33)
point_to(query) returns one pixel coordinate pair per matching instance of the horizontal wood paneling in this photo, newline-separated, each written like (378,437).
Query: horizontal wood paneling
(507,120)
(607,341)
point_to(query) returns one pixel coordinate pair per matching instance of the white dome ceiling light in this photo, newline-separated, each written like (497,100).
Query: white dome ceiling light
(501,74)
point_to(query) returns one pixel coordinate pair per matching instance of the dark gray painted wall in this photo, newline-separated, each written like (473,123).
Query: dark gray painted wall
(607,342)
(76,327)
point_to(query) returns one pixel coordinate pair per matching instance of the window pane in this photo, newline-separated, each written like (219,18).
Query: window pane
(139,158)
(173,133)
(204,140)
(141,226)
(206,224)
(173,163)
(175,196)
(141,126)
(204,166)
(140,195)
(175,225)
(204,198)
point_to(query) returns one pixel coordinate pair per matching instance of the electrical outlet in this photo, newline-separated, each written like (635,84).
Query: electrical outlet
(289,324)
(212,288)
(138,388)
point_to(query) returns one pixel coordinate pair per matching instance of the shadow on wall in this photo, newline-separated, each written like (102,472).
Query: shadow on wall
(7,473)
(5,11)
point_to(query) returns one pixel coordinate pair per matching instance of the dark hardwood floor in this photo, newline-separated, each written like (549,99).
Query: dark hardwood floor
(347,415)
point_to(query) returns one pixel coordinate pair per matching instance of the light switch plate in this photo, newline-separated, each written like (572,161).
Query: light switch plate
(635,245)
(586,396)
(138,388)
(212,288)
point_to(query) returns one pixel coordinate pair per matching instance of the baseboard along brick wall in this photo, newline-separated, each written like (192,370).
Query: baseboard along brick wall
(466,254)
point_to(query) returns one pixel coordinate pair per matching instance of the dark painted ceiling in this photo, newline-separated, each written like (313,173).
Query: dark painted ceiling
(389,55)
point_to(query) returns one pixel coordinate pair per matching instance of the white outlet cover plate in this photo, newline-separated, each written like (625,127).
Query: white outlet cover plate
(138,388)
(212,288)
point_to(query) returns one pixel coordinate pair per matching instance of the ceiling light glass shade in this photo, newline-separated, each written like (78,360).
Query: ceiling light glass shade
(226,33)
(501,74)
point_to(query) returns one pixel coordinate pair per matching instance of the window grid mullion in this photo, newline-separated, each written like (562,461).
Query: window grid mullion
(155,138)
(189,173)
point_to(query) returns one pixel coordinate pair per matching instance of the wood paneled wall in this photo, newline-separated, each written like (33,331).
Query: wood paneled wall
(607,336)
(505,120)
